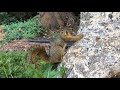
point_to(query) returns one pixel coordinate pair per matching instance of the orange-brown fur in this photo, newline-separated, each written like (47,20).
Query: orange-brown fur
(57,48)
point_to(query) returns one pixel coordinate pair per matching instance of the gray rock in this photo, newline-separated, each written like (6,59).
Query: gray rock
(97,55)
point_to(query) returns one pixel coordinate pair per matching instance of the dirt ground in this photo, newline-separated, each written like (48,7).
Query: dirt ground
(22,46)
(2,34)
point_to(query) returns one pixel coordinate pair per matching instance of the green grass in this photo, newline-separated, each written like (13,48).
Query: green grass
(15,65)
(5,18)
(29,29)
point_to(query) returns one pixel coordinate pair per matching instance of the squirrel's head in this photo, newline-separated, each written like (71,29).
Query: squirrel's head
(68,37)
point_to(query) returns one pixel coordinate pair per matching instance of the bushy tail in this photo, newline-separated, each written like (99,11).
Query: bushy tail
(35,52)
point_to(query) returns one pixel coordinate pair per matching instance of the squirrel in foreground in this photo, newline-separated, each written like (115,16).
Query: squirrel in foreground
(57,49)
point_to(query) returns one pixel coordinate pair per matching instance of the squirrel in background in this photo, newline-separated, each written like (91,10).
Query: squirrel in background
(57,49)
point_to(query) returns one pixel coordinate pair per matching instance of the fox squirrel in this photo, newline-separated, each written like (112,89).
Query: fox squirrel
(57,49)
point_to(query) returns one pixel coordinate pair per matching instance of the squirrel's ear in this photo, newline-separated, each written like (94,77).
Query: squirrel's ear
(63,32)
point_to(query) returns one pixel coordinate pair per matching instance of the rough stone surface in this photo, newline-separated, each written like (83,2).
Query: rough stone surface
(97,55)
(58,20)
